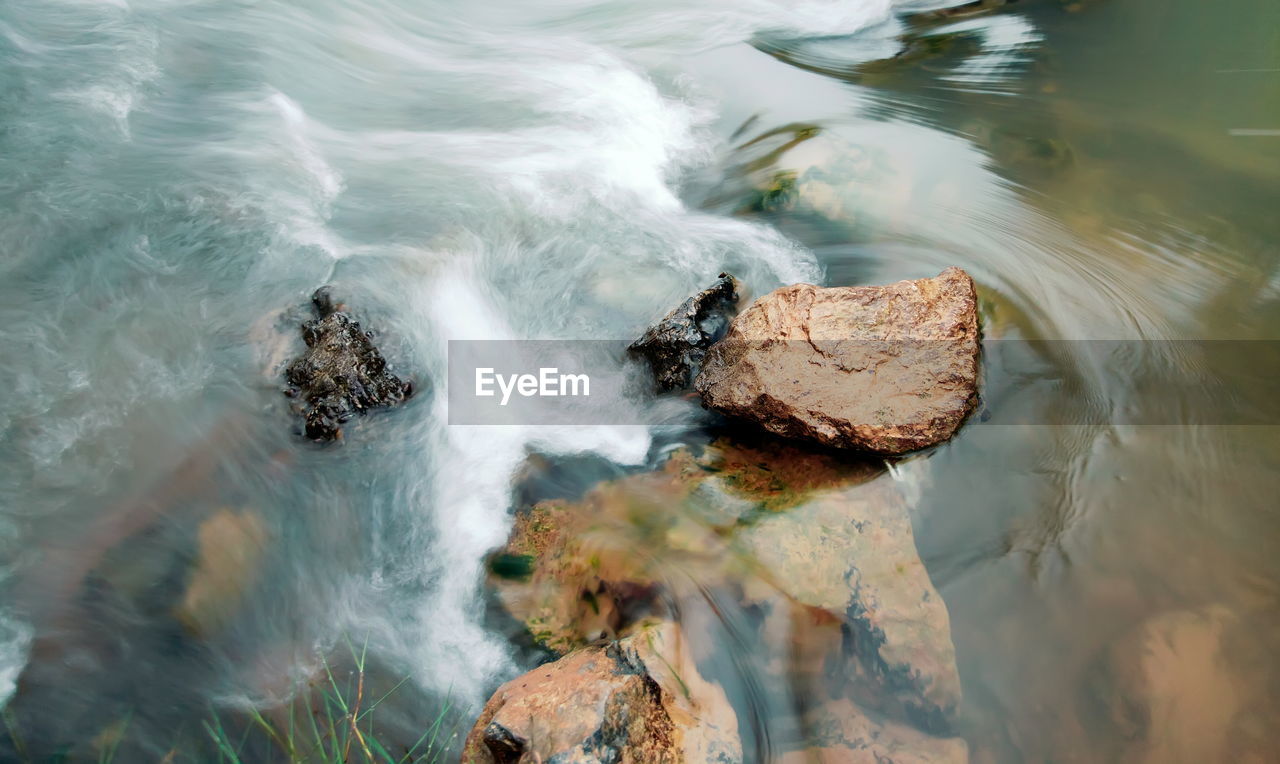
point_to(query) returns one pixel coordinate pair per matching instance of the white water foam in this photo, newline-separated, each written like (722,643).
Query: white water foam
(15,638)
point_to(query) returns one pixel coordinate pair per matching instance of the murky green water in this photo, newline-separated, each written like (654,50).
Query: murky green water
(176,178)
(1113,176)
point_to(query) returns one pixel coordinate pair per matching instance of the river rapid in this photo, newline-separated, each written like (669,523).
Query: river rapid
(177,177)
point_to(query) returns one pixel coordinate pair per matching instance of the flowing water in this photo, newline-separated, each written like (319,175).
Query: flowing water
(177,176)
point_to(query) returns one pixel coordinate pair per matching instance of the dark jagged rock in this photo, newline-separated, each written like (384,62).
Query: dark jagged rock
(676,345)
(341,374)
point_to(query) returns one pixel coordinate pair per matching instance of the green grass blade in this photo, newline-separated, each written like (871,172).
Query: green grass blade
(379,700)
(315,730)
(377,748)
(106,757)
(433,731)
(224,746)
(285,745)
(336,692)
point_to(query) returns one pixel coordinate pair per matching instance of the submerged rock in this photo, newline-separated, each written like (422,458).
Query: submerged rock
(822,544)
(886,369)
(569,571)
(341,374)
(550,576)
(231,545)
(850,554)
(805,174)
(1184,690)
(846,734)
(632,701)
(675,346)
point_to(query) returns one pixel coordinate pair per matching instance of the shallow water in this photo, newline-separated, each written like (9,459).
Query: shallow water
(177,177)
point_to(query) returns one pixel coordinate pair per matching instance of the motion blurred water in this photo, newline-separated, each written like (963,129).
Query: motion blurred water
(177,177)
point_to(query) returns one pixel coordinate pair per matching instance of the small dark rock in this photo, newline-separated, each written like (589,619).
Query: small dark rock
(676,345)
(341,374)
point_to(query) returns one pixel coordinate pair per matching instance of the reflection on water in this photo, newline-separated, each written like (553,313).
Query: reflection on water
(176,183)
(1111,588)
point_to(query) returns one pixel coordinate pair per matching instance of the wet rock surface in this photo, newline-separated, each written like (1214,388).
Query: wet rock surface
(341,374)
(636,700)
(675,346)
(885,369)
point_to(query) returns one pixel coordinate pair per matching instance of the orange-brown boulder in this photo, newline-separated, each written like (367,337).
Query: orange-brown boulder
(886,369)
(635,701)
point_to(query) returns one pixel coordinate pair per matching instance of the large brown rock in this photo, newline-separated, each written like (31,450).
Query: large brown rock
(633,701)
(886,369)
